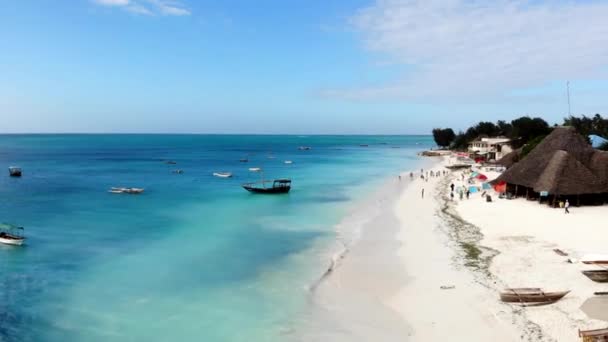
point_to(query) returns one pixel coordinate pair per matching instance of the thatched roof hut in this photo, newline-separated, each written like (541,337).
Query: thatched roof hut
(510,158)
(562,164)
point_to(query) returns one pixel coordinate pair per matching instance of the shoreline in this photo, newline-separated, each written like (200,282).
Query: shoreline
(431,269)
(349,301)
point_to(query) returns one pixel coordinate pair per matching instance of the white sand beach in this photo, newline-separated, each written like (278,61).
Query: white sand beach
(431,269)
(525,234)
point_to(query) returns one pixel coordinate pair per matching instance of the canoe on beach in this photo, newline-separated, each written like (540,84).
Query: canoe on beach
(599,259)
(600,276)
(531,295)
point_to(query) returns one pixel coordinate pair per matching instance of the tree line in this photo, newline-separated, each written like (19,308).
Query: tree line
(522,131)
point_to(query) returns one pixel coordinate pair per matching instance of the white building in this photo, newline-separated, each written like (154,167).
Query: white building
(492,148)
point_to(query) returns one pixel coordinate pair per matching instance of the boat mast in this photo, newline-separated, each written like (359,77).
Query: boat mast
(568,92)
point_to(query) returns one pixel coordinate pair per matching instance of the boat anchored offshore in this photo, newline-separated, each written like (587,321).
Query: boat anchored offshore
(11,234)
(14,171)
(132,191)
(279,186)
(222,174)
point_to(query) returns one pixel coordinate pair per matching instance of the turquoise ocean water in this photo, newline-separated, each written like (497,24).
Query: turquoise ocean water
(195,257)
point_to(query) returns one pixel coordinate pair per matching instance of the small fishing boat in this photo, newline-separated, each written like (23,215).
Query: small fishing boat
(531,295)
(304,148)
(132,191)
(243,160)
(279,186)
(222,174)
(171,162)
(288,162)
(600,276)
(598,259)
(11,234)
(593,335)
(179,172)
(363,145)
(14,171)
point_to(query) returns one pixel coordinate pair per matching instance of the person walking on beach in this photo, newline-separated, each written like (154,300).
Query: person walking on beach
(452,186)
(451,195)
(468,193)
(566,206)
(422,192)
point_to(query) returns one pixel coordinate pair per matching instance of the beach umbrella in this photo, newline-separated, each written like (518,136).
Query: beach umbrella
(473,189)
(474,174)
(486,186)
(500,187)
(481,177)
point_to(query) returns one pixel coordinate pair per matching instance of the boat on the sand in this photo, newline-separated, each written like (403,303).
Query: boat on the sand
(593,335)
(598,259)
(222,174)
(600,276)
(531,295)
(11,234)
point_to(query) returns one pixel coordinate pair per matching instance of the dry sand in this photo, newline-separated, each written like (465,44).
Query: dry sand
(386,284)
(525,233)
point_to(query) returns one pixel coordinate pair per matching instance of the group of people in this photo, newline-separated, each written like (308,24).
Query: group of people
(462,191)
(425,176)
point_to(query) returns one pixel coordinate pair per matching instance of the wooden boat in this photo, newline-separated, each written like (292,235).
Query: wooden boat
(14,171)
(596,335)
(458,166)
(304,148)
(363,145)
(279,186)
(171,162)
(600,276)
(222,174)
(11,234)
(255,169)
(243,160)
(597,259)
(531,295)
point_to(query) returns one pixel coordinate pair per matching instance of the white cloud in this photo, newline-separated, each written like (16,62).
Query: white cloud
(112,2)
(148,7)
(466,48)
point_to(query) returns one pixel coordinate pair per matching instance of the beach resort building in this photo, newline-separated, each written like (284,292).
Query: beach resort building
(491,148)
(562,166)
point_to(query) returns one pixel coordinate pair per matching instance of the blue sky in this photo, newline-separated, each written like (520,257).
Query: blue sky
(386,66)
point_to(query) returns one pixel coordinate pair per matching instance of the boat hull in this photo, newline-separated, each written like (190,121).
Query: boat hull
(13,242)
(270,191)
(600,276)
(535,296)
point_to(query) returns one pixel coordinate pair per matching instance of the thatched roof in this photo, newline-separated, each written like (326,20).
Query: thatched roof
(563,163)
(510,158)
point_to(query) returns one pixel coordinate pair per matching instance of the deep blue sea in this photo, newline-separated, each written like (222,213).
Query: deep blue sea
(193,258)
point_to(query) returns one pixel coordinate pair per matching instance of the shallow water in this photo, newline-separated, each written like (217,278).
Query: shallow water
(193,258)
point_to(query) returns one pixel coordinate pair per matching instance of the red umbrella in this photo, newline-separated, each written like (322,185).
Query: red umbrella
(482,177)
